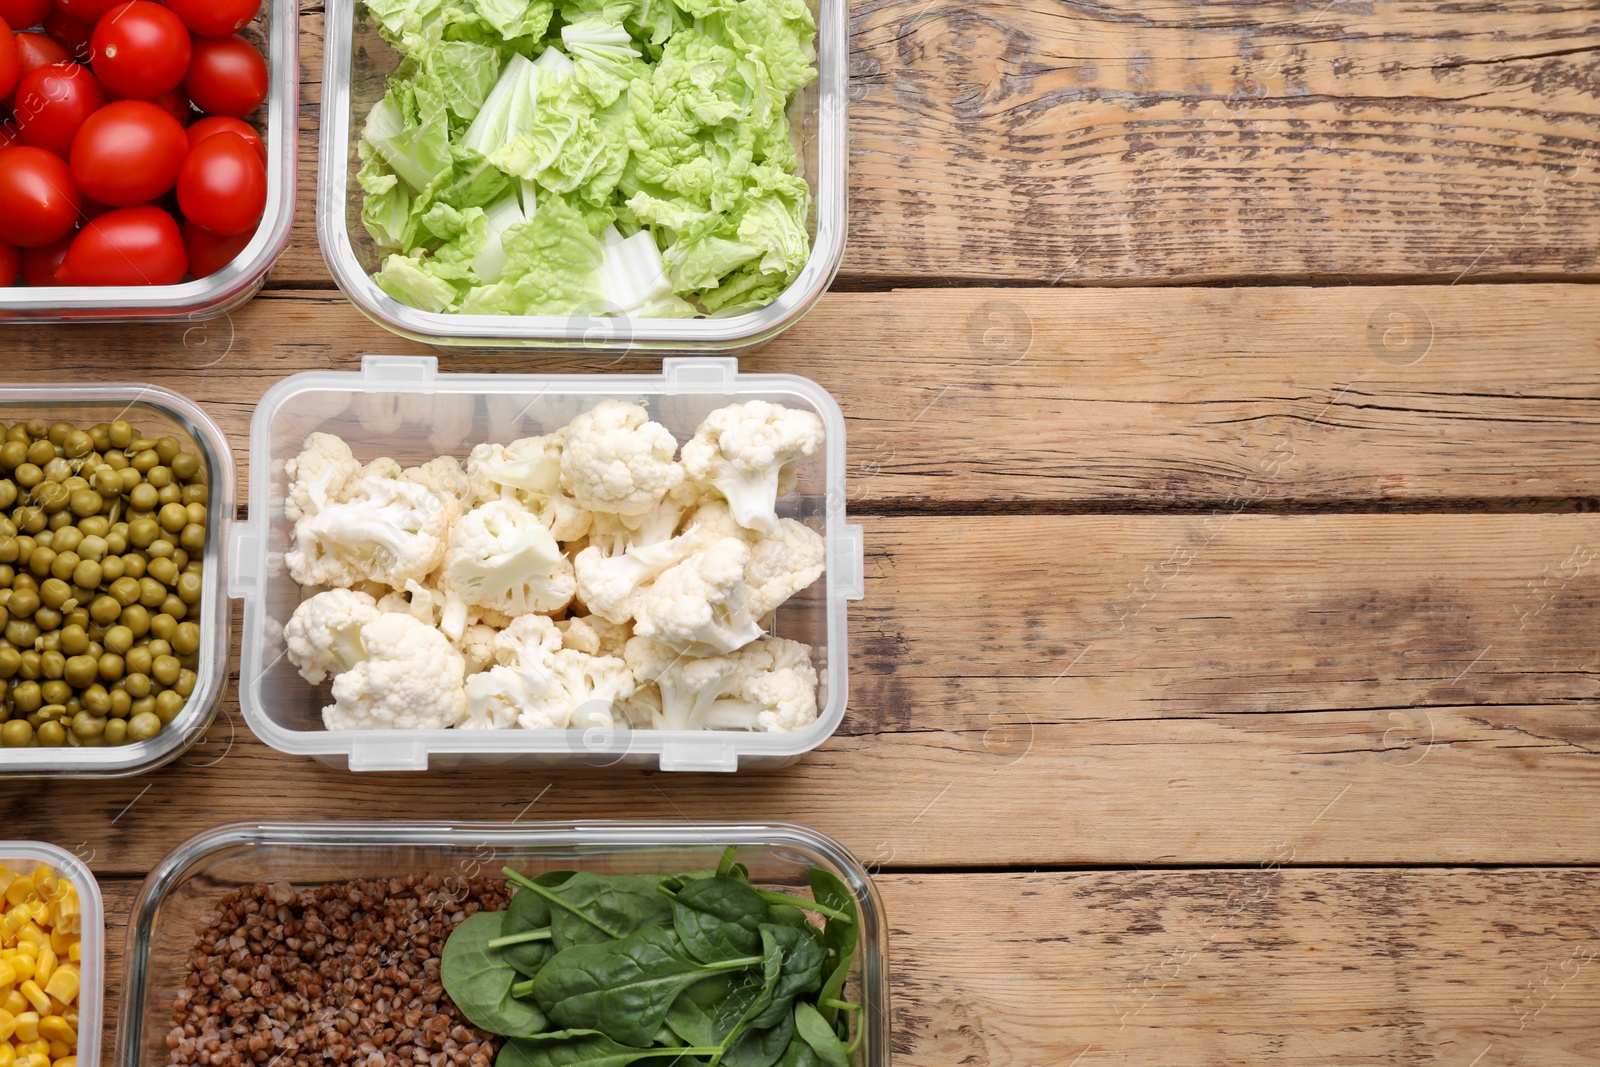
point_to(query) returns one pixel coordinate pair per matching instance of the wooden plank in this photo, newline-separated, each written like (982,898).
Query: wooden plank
(1242,966)
(1134,398)
(1123,142)
(1337,689)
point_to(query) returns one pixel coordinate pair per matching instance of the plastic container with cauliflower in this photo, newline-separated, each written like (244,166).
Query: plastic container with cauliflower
(384,556)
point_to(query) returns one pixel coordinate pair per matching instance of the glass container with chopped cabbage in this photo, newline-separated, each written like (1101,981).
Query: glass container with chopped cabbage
(630,156)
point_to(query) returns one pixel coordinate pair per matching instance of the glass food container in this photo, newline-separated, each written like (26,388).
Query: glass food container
(186,885)
(155,412)
(276,33)
(356,61)
(26,857)
(401,407)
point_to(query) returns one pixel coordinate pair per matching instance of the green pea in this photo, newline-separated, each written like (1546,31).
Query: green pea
(86,574)
(10,661)
(52,735)
(13,454)
(186,639)
(116,731)
(41,452)
(55,592)
(139,661)
(136,618)
(55,691)
(111,666)
(26,697)
(8,493)
(77,444)
(174,606)
(136,685)
(160,477)
(168,704)
(143,726)
(185,465)
(120,433)
(193,538)
(165,670)
(190,588)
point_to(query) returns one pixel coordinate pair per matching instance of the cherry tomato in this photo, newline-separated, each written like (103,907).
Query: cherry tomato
(38,198)
(68,32)
(39,264)
(53,101)
(204,128)
(215,18)
(129,246)
(227,76)
(23,13)
(9,134)
(128,152)
(35,50)
(223,186)
(139,50)
(209,253)
(10,261)
(87,12)
(174,103)
(10,63)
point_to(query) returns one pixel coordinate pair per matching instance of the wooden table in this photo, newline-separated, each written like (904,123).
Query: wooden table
(1224,412)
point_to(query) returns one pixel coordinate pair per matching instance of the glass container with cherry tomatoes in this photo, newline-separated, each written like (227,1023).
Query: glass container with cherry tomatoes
(147,155)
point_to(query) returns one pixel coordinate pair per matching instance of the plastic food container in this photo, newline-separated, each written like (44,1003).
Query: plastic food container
(403,408)
(186,885)
(156,412)
(356,61)
(25,857)
(276,33)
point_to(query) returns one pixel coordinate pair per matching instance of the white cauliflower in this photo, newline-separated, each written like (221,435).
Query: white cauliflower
(409,678)
(748,452)
(445,477)
(385,530)
(700,606)
(524,656)
(324,635)
(782,562)
(614,534)
(616,460)
(769,686)
(423,602)
(529,471)
(594,635)
(319,475)
(476,645)
(584,691)
(609,586)
(501,557)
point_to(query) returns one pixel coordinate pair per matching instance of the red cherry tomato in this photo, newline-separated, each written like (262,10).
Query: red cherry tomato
(38,198)
(10,62)
(215,18)
(23,13)
(128,152)
(35,50)
(53,101)
(10,261)
(129,246)
(68,32)
(39,264)
(174,103)
(9,134)
(87,12)
(139,50)
(205,127)
(223,186)
(209,253)
(227,76)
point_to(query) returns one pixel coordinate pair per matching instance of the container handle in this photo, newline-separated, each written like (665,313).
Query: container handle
(850,561)
(399,370)
(402,755)
(719,757)
(244,577)
(709,373)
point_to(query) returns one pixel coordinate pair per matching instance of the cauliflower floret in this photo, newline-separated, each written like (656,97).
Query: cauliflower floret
(501,557)
(616,460)
(770,686)
(782,562)
(584,691)
(615,534)
(610,585)
(386,530)
(445,477)
(319,475)
(748,453)
(524,656)
(410,678)
(594,635)
(702,605)
(423,602)
(324,635)
(476,645)
(529,470)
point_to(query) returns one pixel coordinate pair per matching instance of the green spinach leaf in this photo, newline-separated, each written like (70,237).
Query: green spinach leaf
(798,1054)
(529,914)
(583,1048)
(718,918)
(478,979)
(818,1033)
(801,962)
(590,909)
(761,1047)
(624,988)
(838,937)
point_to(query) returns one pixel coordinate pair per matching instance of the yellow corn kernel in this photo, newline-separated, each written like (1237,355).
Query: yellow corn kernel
(66,1061)
(68,912)
(71,1015)
(38,1059)
(63,984)
(55,1028)
(14,1002)
(60,942)
(8,973)
(40,909)
(15,917)
(8,1055)
(44,966)
(75,952)
(22,964)
(27,1026)
(8,1024)
(30,933)
(34,1047)
(36,996)
(7,876)
(60,1050)
(19,890)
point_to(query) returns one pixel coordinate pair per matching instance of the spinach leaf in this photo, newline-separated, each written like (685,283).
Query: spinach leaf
(801,964)
(839,938)
(786,915)
(818,1033)
(528,914)
(761,1047)
(623,988)
(590,909)
(582,1048)
(707,1011)
(798,1054)
(478,979)
(718,918)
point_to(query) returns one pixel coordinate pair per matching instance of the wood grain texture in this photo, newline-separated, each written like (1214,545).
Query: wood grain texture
(1118,142)
(1347,689)
(1266,965)
(1133,398)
